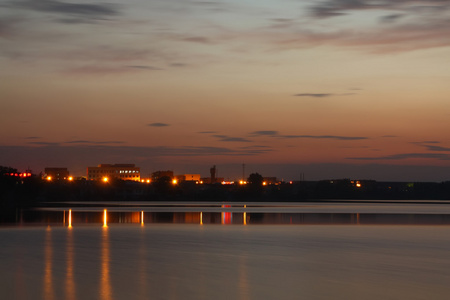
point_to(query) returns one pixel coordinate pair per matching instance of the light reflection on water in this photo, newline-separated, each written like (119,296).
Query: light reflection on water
(122,254)
(226,262)
(107,216)
(105,286)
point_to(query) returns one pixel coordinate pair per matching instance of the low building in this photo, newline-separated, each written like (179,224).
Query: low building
(55,174)
(160,174)
(189,177)
(117,171)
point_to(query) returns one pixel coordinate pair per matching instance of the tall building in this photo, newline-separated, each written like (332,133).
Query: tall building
(118,171)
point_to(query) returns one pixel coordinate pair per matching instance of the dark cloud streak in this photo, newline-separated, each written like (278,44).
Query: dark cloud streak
(403,156)
(77,9)
(158,125)
(275,134)
(313,95)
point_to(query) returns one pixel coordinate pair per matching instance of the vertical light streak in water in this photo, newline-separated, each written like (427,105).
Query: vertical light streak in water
(48,275)
(244,216)
(226,217)
(244,289)
(70,282)
(70,218)
(105,283)
(142,218)
(143,277)
(105,223)
(201,218)
(222,219)
(64,218)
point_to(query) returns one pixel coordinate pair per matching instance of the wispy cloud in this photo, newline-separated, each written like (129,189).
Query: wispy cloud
(264,132)
(276,134)
(112,152)
(391,18)
(150,68)
(105,69)
(333,8)
(87,11)
(437,148)
(321,95)
(402,156)
(44,143)
(333,137)
(198,39)
(225,138)
(32,137)
(315,95)
(158,124)
(94,142)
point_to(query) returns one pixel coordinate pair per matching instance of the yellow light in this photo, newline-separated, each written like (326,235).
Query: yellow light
(105,218)
(142,180)
(264,183)
(201,181)
(201,218)
(358,184)
(105,179)
(148,180)
(70,178)
(49,178)
(241,182)
(142,218)
(174,181)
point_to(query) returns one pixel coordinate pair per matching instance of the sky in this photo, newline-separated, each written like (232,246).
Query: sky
(290,88)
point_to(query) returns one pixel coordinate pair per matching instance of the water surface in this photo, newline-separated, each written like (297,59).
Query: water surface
(216,255)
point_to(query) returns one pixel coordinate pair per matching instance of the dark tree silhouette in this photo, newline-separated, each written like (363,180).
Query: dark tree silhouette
(255,179)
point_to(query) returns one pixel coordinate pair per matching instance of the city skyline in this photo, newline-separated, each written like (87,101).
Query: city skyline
(329,89)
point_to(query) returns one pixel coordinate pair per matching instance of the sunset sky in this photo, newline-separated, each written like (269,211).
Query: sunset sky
(331,89)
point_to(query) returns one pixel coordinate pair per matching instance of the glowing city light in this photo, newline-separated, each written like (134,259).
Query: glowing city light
(174,181)
(49,178)
(264,183)
(70,178)
(105,179)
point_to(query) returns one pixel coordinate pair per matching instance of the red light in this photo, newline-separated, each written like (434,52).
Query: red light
(22,175)
(28,174)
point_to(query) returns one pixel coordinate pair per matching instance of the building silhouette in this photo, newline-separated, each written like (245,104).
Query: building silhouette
(117,171)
